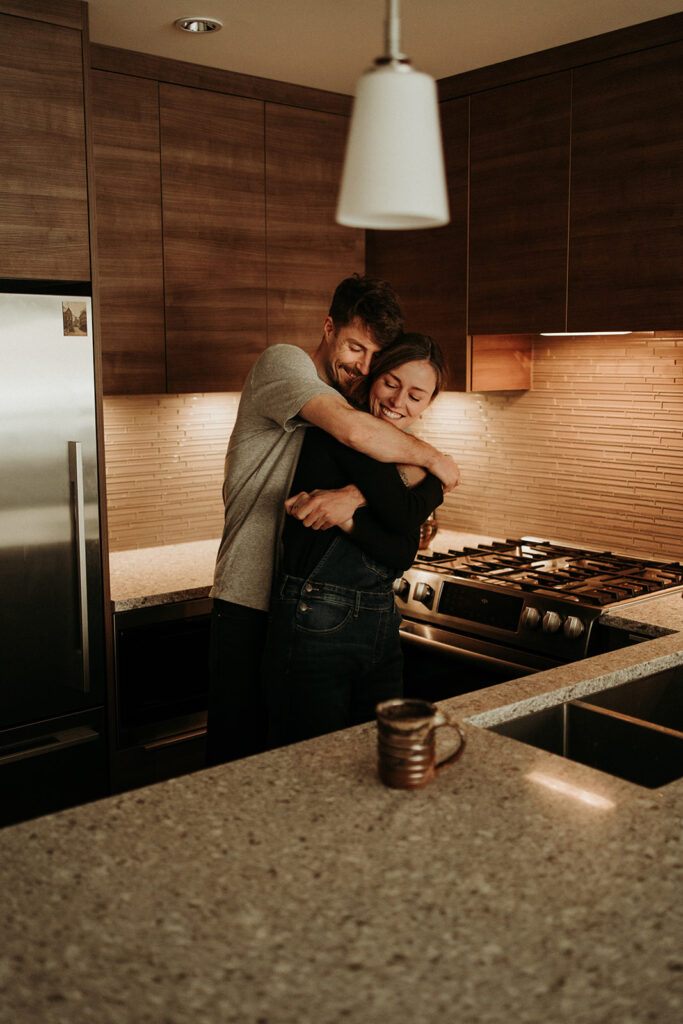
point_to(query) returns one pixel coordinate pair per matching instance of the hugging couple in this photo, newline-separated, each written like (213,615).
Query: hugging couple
(325,492)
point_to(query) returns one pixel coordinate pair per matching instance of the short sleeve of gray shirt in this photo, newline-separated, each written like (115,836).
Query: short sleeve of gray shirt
(262,456)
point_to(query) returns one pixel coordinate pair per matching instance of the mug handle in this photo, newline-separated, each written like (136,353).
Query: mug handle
(443,720)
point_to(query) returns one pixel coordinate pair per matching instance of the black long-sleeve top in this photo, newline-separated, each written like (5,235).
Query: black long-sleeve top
(388,529)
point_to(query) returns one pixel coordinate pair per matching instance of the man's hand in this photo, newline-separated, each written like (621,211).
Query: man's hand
(322,509)
(447,471)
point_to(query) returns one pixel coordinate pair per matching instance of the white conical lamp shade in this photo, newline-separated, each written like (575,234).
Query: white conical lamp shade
(393,172)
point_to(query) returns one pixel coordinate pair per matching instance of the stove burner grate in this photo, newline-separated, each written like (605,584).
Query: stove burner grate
(598,578)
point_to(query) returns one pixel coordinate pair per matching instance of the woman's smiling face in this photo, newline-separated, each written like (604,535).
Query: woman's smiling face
(401,395)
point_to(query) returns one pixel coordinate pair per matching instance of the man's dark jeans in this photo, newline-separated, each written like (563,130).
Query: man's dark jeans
(236,722)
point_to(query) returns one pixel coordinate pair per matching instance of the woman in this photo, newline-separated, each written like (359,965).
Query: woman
(333,649)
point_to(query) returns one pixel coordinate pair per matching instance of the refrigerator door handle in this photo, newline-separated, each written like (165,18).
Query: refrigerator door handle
(76,478)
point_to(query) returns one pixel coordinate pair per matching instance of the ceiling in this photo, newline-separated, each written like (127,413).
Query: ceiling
(327,44)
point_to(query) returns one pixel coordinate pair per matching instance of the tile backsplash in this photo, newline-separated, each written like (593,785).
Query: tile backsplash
(592,454)
(164,459)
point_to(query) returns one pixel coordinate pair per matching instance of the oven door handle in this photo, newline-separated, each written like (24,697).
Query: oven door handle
(456,646)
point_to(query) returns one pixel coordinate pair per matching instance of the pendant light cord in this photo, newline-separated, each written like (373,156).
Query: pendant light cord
(392,32)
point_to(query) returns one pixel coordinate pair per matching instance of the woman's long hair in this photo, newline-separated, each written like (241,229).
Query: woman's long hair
(408,348)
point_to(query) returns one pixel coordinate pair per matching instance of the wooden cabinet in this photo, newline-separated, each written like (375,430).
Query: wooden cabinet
(519,199)
(626,229)
(43,185)
(428,268)
(308,253)
(212,173)
(186,179)
(125,131)
(180,235)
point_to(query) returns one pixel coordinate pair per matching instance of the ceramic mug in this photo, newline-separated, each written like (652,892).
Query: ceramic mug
(406,742)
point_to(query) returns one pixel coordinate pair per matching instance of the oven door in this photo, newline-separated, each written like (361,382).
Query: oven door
(440,663)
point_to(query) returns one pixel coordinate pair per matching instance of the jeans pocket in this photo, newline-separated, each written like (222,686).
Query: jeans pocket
(316,615)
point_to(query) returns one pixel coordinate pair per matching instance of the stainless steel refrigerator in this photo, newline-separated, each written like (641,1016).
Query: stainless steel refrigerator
(52,721)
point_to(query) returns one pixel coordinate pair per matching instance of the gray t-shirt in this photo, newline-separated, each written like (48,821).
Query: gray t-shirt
(262,456)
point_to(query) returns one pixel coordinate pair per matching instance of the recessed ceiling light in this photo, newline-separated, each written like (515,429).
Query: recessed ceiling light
(198,24)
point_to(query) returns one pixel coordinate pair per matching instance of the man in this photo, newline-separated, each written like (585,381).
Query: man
(286,390)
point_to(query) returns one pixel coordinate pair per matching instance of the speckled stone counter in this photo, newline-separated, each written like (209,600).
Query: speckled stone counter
(142,578)
(293,888)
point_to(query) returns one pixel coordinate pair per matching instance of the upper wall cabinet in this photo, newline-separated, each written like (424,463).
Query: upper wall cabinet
(626,239)
(428,268)
(43,183)
(215,228)
(519,196)
(125,130)
(212,175)
(308,253)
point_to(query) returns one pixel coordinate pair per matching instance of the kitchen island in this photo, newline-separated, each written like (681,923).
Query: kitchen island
(293,887)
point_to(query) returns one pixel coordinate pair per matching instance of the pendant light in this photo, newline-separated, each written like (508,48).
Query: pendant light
(393,174)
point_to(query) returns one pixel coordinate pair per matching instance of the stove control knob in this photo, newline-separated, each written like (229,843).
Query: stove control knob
(531,617)
(573,627)
(551,622)
(402,588)
(424,593)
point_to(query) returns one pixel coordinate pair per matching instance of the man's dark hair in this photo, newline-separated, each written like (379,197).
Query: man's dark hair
(375,303)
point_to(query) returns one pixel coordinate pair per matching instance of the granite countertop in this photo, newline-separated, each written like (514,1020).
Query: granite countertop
(294,888)
(145,577)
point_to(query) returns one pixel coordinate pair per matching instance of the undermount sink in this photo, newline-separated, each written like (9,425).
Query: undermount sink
(633,731)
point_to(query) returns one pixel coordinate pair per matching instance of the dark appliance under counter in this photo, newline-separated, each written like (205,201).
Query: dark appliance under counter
(162,678)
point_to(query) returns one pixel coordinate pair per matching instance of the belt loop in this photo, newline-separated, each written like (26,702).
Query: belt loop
(356,609)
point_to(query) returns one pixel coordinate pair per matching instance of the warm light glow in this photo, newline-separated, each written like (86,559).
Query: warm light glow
(580,334)
(586,796)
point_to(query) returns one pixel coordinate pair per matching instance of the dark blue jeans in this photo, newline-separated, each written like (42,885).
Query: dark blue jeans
(333,649)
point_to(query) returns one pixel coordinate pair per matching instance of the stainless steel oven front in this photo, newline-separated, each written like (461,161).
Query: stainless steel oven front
(461,635)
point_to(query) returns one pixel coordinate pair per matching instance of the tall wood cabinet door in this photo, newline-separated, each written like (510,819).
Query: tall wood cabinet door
(308,252)
(212,164)
(626,238)
(43,186)
(428,268)
(519,198)
(130,284)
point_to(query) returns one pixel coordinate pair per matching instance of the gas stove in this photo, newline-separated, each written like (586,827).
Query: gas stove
(523,595)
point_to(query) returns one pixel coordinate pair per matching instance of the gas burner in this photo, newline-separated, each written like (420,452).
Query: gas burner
(574,574)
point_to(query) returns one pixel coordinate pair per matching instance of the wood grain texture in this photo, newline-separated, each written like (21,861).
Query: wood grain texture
(197,76)
(214,237)
(519,200)
(626,239)
(501,362)
(43,184)
(631,39)
(70,13)
(125,130)
(308,252)
(428,268)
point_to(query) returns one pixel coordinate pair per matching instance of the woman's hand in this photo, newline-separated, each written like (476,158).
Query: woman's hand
(321,509)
